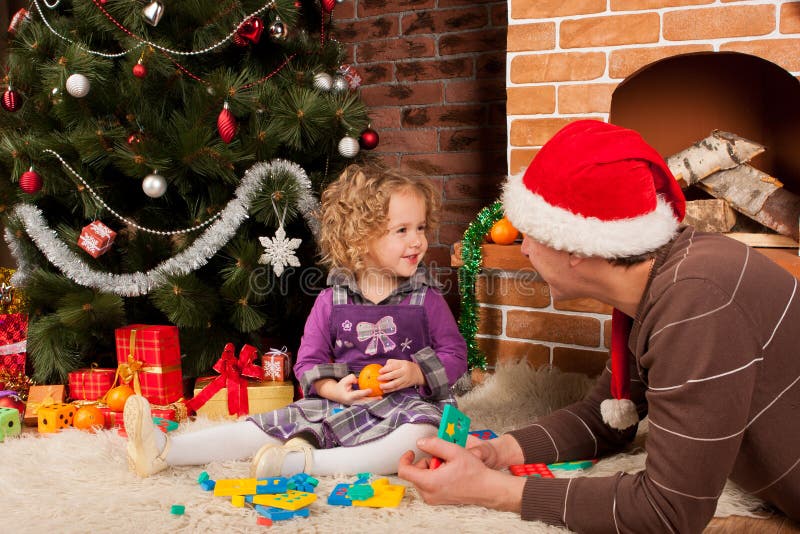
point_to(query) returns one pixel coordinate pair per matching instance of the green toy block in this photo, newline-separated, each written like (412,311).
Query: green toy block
(9,423)
(454,426)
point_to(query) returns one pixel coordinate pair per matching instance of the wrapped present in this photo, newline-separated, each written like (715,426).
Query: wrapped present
(40,396)
(276,365)
(11,299)
(149,358)
(91,383)
(230,393)
(13,335)
(96,238)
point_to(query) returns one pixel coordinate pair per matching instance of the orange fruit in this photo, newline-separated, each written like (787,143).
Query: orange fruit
(116,397)
(89,418)
(503,232)
(368,379)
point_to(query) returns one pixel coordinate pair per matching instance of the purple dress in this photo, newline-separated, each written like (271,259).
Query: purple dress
(361,334)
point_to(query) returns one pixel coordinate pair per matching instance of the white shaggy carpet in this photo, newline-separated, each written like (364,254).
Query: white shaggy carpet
(75,482)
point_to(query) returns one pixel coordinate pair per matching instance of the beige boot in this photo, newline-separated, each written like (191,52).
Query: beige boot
(268,461)
(144,456)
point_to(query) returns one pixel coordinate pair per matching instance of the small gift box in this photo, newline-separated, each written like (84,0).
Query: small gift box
(91,383)
(149,357)
(40,396)
(96,238)
(262,396)
(13,335)
(276,364)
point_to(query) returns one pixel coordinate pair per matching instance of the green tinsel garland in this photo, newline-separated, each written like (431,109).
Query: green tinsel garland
(467,275)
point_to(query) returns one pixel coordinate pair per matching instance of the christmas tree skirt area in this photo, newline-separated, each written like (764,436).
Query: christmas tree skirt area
(79,482)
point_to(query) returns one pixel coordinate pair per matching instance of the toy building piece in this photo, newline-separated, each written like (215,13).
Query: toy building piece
(572,466)
(360,492)
(279,514)
(235,486)
(264,521)
(453,428)
(386,495)
(483,434)
(203,477)
(167,425)
(338,496)
(237,501)
(208,485)
(527,470)
(271,485)
(291,500)
(10,424)
(177,509)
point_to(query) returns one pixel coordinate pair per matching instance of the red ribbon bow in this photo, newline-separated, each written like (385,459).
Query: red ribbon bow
(232,373)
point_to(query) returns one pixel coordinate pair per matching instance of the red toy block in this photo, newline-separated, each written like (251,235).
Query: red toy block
(528,470)
(264,521)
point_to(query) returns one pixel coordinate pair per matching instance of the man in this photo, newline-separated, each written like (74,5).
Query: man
(704,343)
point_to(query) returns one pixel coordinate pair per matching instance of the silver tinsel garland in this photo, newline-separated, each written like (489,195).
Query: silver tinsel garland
(189,260)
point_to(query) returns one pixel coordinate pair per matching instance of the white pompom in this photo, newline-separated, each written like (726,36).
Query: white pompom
(619,413)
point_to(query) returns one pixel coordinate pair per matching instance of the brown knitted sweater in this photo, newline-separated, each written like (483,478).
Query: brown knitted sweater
(716,342)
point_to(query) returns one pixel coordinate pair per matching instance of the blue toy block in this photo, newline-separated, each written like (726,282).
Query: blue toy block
(338,496)
(483,434)
(272,485)
(572,466)
(360,492)
(336,410)
(9,423)
(277,514)
(208,485)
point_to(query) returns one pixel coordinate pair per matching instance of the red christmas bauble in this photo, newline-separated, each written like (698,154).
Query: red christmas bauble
(19,17)
(139,70)
(11,100)
(12,400)
(30,182)
(368,139)
(134,140)
(328,5)
(226,124)
(249,32)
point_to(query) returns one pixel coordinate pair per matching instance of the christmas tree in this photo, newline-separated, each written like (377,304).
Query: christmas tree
(161,165)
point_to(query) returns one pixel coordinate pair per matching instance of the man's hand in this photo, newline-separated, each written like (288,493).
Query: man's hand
(496,453)
(400,374)
(462,479)
(342,391)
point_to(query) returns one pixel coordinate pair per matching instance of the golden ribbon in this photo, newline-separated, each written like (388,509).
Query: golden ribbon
(127,371)
(34,406)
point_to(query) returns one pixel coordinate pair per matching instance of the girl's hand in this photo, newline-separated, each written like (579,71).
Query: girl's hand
(400,374)
(342,391)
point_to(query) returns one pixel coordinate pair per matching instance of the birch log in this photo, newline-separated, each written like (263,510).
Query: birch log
(719,151)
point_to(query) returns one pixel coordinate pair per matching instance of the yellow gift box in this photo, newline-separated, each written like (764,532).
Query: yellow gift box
(262,396)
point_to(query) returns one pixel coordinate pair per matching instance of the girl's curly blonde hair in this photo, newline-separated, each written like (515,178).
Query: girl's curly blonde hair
(354,211)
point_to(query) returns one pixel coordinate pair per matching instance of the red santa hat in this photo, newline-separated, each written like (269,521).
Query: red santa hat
(597,189)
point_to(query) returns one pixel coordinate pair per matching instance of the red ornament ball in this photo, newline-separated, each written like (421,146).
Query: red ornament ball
(12,400)
(368,139)
(226,124)
(30,182)
(328,5)
(134,139)
(139,70)
(11,100)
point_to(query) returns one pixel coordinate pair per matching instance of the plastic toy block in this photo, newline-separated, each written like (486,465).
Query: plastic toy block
(203,477)
(312,481)
(336,410)
(386,495)
(278,514)
(363,478)
(572,466)
(54,417)
(208,485)
(177,509)
(483,434)
(453,428)
(528,470)
(434,463)
(264,521)
(360,492)
(167,425)
(237,501)
(271,485)
(235,486)
(338,496)
(291,500)
(9,423)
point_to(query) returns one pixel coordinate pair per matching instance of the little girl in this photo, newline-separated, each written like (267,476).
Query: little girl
(383,307)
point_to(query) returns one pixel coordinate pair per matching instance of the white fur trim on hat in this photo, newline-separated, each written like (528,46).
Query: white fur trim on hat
(561,229)
(619,413)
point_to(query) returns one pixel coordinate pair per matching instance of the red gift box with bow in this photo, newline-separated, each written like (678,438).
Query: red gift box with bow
(90,384)
(96,238)
(233,373)
(13,335)
(149,358)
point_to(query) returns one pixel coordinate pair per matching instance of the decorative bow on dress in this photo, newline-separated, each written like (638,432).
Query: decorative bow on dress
(379,331)
(232,372)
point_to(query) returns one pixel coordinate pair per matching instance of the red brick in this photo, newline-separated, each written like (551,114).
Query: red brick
(558,66)
(382,118)
(484,90)
(445,20)
(451,232)
(491,65)
(367,9)
(606,31)
(583,305)
(362,30)
(507,351)
(490,321)
(585,98)
(639,5)
(531,100)
(520,159)
(476,186)
(790,17)
(402,94)
(407,140)
(556,327)
(543,9)
(497,114)
(391,49)
(452,3)
(461,211)
(453,115)
(623,63)
(376,73)
(572,360)
(717,22)
(435,70)
(527,291)
(499,15)
(536,132)
(607,333)
(530,37)
(480,138)
(345,10)
(451,163)
(476,41)
(782,52)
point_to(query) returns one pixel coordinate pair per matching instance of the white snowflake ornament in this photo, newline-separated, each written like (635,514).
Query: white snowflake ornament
(279,251)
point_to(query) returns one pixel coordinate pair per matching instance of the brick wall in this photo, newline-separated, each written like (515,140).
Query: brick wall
(434,80)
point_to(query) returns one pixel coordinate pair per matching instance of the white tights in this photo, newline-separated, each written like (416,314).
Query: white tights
(242,439)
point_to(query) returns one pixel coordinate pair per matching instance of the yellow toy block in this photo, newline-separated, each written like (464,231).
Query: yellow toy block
(386,495)
(291,500)
(54,417)
(238,501)
(235,486)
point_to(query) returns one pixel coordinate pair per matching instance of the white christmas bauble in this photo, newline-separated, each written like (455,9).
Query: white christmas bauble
(340,84)
(78,85)
(348,147)
(154,185)
(323,81)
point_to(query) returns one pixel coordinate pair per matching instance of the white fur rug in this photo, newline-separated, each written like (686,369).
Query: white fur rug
(79,482)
